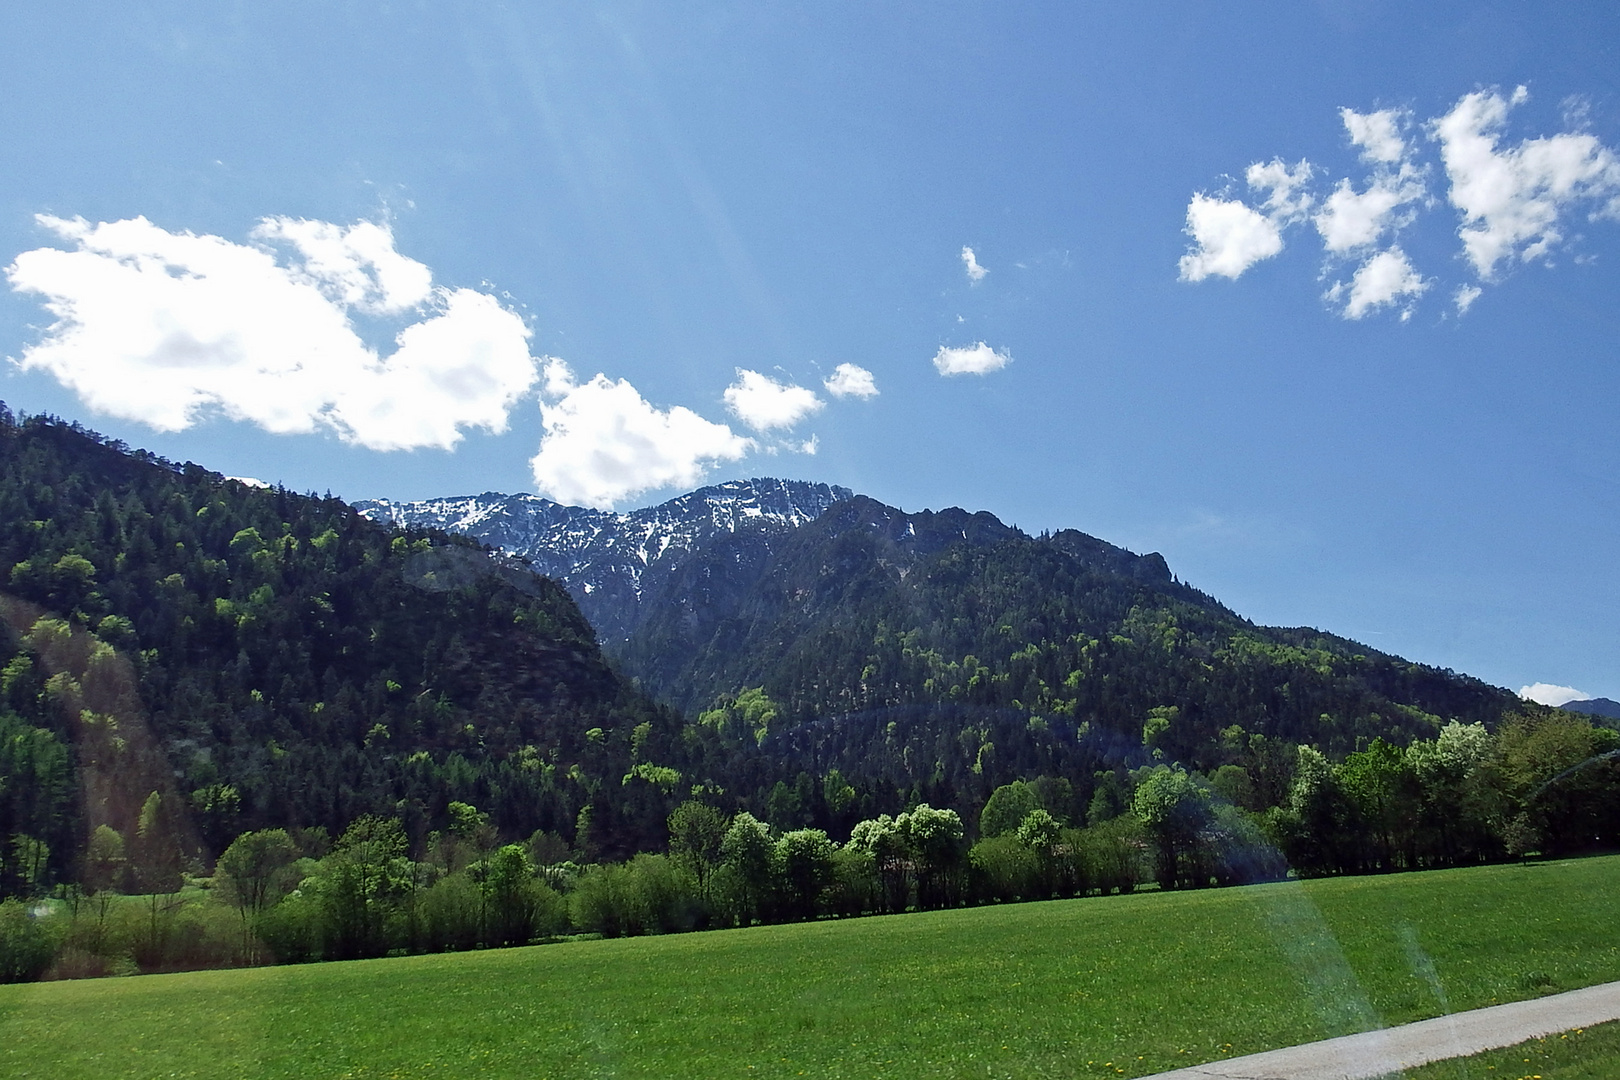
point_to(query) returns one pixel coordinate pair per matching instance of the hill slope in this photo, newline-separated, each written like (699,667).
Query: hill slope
(262,658)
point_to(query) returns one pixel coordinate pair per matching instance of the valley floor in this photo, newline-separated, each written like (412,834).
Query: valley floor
(1116,986)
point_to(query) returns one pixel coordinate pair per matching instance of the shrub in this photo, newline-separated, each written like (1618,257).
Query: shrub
(449,914)
(1003,869)
(26,948)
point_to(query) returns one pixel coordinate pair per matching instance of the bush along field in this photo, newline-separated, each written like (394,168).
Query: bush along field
(1104,987)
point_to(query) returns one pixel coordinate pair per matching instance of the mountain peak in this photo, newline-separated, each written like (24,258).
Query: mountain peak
(606,558)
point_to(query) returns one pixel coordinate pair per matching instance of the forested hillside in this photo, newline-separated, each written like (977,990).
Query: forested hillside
(260,658)
(945,653)
(296,733)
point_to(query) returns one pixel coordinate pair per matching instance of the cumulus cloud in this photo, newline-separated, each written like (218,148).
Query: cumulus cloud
(975,272)
(1284,187)
(976,359)
(1380,281)
(1513,202)
(165,328)
(1511,199)
(355,266)
(603,442)
(1377,133)
(1351,219)
(763,403)
(1548,694)
(1229,237)
(851,380)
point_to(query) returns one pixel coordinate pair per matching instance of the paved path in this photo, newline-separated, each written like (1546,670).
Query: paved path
(1391,1050)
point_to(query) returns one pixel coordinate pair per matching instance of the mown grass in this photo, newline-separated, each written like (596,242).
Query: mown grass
(1584,1054)
(1114,986)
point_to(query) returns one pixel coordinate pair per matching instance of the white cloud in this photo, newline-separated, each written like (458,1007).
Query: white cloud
(1377,133)
(977,359)
(763,403)
(975,272)
(1380,281)
(1350,219)
(603,442)
(1230,238)
(354,267)
(851,380)
(1548,694)
(1511,199)
(1286,198)
(163,328)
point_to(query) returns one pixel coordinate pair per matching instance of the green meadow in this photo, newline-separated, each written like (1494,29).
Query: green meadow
(1582,1054)
(1115,986)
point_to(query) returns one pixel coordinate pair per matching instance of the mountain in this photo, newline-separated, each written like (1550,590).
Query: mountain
(619,566)
(184,655)
(1601,706)
(260,658)
(938,653)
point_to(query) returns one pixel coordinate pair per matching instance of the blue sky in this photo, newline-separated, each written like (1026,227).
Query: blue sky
(386,250)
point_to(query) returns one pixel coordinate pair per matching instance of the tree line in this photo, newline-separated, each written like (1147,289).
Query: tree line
(1547,784)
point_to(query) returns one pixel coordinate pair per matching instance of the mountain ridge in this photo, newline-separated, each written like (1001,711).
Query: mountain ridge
(866,607)
(609,561)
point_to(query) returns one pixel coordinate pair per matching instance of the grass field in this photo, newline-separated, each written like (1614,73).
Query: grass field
(1585,1054)
(1118,986)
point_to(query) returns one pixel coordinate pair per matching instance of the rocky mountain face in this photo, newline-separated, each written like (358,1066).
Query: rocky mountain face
(619,567)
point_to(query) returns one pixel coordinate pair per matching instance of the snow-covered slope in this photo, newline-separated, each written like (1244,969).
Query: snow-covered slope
(613,563)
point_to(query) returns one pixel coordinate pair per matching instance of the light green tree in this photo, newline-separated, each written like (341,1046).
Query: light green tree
(803,862)
(934,838)
(510,896)
(697,833)
(103,860)
(253,873)
(1007,807)
(746,852)
(1041,834)
(1174,807)
(361,884)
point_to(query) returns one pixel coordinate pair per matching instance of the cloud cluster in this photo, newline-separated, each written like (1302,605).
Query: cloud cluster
(851,380)
(165,328)
(604,443)
(168,328)
(1511,201)
(975,359)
